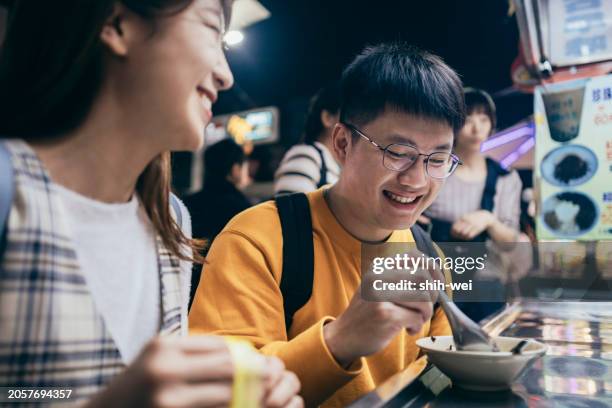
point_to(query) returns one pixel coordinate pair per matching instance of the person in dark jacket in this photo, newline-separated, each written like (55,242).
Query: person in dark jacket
(220,199)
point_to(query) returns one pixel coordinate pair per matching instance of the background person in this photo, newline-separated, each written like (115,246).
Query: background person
(225,171)
(480,202)
(263,162)
(311,164)
(95,273)
(458,212)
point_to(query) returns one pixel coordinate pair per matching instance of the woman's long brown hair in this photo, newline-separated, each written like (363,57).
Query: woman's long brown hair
(153,187)
(51,69)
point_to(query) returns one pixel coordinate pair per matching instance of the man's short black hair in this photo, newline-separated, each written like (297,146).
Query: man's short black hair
(401,77)
(219,159)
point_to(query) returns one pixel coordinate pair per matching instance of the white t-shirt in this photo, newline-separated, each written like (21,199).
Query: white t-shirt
(116,248)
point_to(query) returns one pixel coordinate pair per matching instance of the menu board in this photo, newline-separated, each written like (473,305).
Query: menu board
(574,159)
(576,31)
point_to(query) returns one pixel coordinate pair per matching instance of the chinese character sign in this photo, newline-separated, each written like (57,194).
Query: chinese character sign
(574,159)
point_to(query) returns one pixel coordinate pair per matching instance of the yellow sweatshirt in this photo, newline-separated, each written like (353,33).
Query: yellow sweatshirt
(239,295)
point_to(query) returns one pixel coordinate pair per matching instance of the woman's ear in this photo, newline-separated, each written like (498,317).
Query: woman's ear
(118,30)
(328,119)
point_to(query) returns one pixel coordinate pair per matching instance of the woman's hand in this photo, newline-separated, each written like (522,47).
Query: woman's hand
(281,386)
(178,372)
(195,371)
(472,224)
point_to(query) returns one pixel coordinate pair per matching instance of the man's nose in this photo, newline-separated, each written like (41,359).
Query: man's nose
(415,176)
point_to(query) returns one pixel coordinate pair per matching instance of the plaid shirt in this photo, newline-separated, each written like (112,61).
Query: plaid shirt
(51,334)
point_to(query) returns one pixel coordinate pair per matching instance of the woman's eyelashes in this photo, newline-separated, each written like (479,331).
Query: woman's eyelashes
(212,19)
(215,27)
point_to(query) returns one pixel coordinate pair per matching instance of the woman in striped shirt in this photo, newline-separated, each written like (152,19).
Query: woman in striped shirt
(311,164)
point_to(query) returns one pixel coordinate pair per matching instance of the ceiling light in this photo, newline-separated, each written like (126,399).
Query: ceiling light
(233,37)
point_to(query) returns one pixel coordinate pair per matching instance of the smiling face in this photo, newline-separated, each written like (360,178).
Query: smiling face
(171,74)
(382,200)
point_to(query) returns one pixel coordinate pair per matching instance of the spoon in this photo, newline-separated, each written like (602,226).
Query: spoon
(468,335)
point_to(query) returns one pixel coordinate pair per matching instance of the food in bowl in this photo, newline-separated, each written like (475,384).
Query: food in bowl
(569,213)
(569,166)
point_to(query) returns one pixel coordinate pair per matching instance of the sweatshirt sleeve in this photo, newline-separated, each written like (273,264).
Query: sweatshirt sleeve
(238,295)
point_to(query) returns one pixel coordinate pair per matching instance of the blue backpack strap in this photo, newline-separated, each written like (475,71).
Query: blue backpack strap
(298,253)
(6,192)
(174,202)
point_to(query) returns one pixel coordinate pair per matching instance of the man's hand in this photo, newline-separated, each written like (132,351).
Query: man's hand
(367,327)
(470,225)
(192,372)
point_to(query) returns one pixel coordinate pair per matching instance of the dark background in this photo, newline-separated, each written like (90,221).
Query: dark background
(286,58)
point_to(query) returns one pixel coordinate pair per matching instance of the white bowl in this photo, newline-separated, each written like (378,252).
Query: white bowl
(481,370)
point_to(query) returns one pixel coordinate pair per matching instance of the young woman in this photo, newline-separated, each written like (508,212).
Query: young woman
(473,210)
(311,164)
(480,201)
(95,268)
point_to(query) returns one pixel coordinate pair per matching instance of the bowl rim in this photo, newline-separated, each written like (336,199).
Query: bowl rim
(543,348)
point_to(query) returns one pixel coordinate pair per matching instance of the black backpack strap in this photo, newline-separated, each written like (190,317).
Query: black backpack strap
(322,169)
(298,253)
(6,192)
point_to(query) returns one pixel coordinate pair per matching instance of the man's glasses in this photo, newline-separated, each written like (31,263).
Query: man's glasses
(400,157)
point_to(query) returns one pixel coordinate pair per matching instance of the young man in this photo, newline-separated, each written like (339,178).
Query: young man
(401,108)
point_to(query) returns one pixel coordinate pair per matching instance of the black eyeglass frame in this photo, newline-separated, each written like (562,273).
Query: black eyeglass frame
(456,161)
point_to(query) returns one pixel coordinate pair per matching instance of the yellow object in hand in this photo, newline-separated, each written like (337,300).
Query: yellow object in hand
(248,366)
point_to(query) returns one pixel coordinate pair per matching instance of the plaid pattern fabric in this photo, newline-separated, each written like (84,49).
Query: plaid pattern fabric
(50,331)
